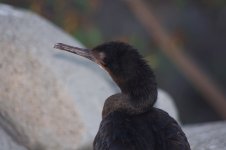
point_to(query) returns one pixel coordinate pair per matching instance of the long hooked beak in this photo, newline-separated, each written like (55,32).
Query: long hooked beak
(76,50)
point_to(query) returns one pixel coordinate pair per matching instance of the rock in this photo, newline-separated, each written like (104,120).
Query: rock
(49,99)
(166,102)
(208,136)
(7,143)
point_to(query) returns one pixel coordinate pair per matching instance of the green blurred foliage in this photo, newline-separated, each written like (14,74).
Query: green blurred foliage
(91,37)
(71,15)
(181,3)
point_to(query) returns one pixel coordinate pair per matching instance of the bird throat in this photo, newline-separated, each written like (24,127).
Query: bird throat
(137,96)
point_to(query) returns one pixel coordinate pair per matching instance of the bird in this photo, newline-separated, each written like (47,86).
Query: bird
(129,119)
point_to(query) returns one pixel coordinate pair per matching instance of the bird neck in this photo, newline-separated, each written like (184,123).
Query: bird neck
(138,94)
(140,89)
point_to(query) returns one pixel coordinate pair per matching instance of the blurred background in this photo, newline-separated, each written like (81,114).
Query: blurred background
(183,40)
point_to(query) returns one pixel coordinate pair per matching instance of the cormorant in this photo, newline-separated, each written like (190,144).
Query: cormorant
(129,120)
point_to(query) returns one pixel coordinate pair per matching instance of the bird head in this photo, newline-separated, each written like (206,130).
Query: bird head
(123,62)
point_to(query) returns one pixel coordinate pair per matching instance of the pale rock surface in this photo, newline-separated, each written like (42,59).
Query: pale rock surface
(207,136)
(47,98)
(7,143)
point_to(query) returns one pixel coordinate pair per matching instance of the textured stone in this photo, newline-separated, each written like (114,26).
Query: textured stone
(208,136)
(42,89)
(7,143)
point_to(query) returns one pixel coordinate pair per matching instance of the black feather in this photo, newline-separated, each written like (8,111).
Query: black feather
(130,122)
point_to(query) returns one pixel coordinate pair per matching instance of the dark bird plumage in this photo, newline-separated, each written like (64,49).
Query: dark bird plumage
(129,120)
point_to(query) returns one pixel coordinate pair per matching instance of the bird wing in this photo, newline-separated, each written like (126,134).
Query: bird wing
(176,139)
(169,132)
(155,130)
(118,133)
